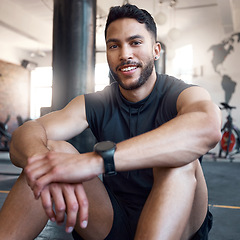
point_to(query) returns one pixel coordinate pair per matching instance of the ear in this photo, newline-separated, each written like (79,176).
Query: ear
(157,50)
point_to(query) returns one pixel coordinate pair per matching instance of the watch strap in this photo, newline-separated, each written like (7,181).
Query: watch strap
(106,150)
(109,165)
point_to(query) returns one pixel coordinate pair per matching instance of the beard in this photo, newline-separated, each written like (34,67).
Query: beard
(144,76)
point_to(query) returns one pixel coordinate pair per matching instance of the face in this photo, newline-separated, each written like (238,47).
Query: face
(130,53)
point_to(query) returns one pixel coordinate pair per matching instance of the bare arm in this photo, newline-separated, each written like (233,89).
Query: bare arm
(195,130)
(31,138)
(191,134)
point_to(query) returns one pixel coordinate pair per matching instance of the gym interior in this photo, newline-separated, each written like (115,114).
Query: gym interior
(42,60)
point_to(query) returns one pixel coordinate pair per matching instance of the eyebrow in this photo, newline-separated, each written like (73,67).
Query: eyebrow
(128,39)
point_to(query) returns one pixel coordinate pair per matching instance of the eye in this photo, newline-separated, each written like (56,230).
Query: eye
(113,46)
(136,43)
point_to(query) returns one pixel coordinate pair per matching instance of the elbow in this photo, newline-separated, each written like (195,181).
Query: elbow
(210,138)
(214,129)
(215,137)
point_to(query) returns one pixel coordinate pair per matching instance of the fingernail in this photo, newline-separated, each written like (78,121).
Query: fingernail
(37,195)
(84,224)
(52,219)
(69,229)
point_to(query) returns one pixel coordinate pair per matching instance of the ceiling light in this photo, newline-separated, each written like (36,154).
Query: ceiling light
(161,18)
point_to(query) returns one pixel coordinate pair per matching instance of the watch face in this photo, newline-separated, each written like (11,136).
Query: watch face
(103,146)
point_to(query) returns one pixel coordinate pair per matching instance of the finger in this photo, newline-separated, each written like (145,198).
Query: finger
(72,207)
(45,177)
(39,161)
(36,157)
(32,167)
(83,205)
(58,199)
(35,173)
(47,204)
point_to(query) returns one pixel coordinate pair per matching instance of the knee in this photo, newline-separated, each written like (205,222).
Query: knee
(61,146)
(186,173)
(53,145)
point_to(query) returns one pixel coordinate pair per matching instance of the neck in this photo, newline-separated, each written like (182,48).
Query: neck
(142,92)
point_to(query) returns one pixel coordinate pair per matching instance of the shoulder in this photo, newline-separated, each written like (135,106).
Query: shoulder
(169,89)
(100,102)
(107,93)
(192,97)
(166,83)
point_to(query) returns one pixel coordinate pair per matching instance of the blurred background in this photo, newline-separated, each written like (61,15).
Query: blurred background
(200,40)
(54,50)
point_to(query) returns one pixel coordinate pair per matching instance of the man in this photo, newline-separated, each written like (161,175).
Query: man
(151,130)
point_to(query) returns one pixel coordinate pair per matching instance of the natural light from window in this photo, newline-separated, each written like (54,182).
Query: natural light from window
(41,90)
(41,86)
(183,63)
(101,76)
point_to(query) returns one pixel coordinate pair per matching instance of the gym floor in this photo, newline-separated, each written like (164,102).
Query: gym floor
(222,178)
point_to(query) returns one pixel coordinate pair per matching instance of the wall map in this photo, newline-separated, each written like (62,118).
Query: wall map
(220,53)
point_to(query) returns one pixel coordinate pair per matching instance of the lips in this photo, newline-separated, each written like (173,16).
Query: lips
(127,68)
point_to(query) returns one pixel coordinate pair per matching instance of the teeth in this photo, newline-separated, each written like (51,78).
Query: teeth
(127,69)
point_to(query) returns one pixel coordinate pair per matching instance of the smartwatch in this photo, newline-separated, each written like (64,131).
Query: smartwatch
(106,150)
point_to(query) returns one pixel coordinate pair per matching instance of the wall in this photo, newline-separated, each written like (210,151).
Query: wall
(16,55)
(216,56)
(218,74)
(14,93)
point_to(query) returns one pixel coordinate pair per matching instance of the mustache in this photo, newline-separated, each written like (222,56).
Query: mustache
(129,62)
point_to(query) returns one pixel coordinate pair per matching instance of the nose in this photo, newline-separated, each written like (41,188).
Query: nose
(125,53)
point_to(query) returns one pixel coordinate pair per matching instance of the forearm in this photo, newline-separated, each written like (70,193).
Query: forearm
(27,140)
(176,143)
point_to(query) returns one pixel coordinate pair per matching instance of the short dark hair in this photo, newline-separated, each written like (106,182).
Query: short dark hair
(132,11)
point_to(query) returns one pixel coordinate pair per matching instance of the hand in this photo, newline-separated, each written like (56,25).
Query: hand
(69,198)
(61,167)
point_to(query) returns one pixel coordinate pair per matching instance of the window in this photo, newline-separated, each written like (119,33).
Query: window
(183,63)
(41,86)
(101,76)
(41,90)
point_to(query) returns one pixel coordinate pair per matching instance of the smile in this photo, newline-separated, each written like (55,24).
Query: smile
(127,69)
